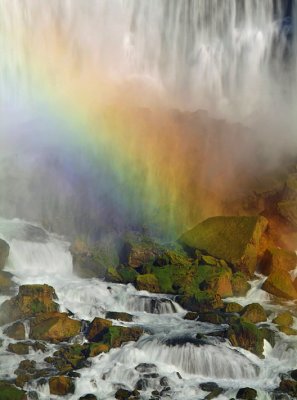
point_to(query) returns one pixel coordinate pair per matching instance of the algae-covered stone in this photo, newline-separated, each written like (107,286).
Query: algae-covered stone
(10,392)
(219,283)
(30,301)
(233,239)
(287,330)
(253,313)
(61,385)
(18,348)
(117,335)
(203,303)
(138,250)
(284,319)
(54,327)
(97,329)
(280,284)
(148,282)
(98,348)
(246,335)
(4,253)
(240,284)
(275,259)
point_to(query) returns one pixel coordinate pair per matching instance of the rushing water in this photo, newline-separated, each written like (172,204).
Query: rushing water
(39,257)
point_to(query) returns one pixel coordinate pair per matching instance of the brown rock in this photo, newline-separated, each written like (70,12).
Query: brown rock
(147,282)
(283,319)
(280,284)
(61,385)
(275,259)
(16,331)
(97,329)
(253,313)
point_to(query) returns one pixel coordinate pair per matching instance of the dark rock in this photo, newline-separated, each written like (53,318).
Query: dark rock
(18,348)
(164,381)
(191,316)
(246,394)
(208,386)
(88,397)
(213,318)
(246,335)
(294,374)
(122,316)
(146,368)
(97,329)
(214,394)
(15,331)
(288,386)
(141,384)
(123,394)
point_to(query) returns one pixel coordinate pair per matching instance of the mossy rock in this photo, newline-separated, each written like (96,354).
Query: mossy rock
(97,329)
(284,319)
(10,392)
(219,283)
(253,313)
(233,239)
(61,385)
(70,357)
(98,348)
(201,304)
(247,336)
(121,316)
(147,282)
(30,301)
(4,253)
(280,285)
(15,331)
(127,274)
(112,275)
(275,259)
(172,257)
(233,307)
(240,284)
(54,327)
(287,330)
(117,335)
(212,318)
(191,316)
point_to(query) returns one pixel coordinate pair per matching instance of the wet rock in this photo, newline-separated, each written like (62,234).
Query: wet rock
(253,313)
(10,392)
(97,329)
(146,368)
(123,394)
(61,385)
(141,384)
(6,282)
(284,319)
(18,348)
(287,330)
(214,394)
(280,284)
(92,261)
(294,374)
(4,253)
(112,275)
(138,250)
(240,284)
(98,348)
(164,381)
(191,316)
(233,239)
(30,301)
(233,307)
(208,386)
(212,318)
(122,316)
(275,259)
(289,387)
(246,394)
(54,327)
(203,303)
(219,283)
(117,335)
(147,282)
(15,331)
(246,335)
(88,397)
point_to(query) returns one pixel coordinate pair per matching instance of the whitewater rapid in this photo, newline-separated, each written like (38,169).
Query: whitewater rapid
(170,347)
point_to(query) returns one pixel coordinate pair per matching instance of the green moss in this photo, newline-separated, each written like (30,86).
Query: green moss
(10,392)
(37,306)
(127,274)
(113,333)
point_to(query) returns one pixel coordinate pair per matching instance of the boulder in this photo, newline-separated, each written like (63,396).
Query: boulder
(18,348)
(61,385)
(289,386)
(98,348)
(205,303)
(147,282)
(117,335)
(6,282)
(30,301)
(121,316)
(275,259)
(88,396)
(287,330)
(253,313)
(54,327)
(280,284)
(219,283)
(4,253)
(9,392)
(246,394)
(233,239)
(93,261)
(284,319)
(240,284)
(97,329)
(138,250)
(233,307)
(247,336)
(15,331)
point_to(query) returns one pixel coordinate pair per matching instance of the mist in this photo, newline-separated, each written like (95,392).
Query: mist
(147,115)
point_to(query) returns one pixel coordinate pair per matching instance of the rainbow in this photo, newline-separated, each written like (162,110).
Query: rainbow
(168,166)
